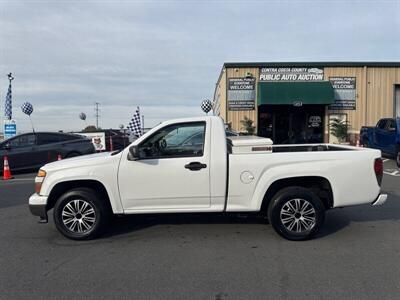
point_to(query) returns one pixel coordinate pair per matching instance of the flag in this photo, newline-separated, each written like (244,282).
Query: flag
(8,104)
(135,125)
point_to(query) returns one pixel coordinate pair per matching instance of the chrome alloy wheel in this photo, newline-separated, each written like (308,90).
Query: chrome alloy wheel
(298,215)
(78,216)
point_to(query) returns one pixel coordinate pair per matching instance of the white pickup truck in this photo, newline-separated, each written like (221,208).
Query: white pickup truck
(190,166)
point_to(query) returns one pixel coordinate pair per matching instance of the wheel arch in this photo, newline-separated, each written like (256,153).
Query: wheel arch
(64,186)
(317,184)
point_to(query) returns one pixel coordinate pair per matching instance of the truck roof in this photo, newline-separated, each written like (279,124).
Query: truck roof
(191,119)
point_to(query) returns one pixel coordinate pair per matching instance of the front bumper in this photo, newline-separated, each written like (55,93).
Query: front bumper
(37,205)
(380,200)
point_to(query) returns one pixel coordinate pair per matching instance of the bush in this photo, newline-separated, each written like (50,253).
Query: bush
(339,129)
(248,126)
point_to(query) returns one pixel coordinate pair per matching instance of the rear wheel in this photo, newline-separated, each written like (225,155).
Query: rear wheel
(296,213)
(398,158)
(80,214)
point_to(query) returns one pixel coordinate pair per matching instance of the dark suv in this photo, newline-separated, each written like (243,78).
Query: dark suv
(33,150)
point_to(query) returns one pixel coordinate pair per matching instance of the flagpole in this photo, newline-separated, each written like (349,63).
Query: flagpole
(33,129)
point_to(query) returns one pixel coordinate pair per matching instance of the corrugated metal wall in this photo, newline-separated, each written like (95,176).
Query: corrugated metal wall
(374,94)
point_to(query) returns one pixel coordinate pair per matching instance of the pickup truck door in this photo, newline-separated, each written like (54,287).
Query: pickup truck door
(171,171)
(379,134)
(389,137)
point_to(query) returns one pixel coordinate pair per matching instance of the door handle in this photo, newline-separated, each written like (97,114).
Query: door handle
(195,166)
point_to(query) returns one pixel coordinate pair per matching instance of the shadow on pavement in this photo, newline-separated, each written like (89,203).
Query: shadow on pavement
(336,219)
(131,223)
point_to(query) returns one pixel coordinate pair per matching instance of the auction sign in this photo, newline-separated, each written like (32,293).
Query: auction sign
(241,93)
(291,74)
(345,93)
(10,129)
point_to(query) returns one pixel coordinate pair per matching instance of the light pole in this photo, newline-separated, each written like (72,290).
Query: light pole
(96,111)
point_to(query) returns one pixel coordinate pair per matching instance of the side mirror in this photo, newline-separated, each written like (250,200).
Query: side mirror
(7,146)
(133,153)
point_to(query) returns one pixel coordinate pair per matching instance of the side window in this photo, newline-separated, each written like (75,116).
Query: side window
(70,137)
(178,140)
(25,140)
(381,124)
(48,138)
(391,125)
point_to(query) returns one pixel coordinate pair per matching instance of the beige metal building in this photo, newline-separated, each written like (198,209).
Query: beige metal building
(293,102)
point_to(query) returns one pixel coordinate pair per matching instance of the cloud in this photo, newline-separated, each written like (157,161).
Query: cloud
(166,55)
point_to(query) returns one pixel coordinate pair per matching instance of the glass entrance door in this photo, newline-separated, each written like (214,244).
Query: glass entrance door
(281,127)
(298,128)
(285,124)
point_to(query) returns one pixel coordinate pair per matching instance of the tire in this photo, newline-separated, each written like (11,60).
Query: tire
(287,217)
(69,219)
(398,158)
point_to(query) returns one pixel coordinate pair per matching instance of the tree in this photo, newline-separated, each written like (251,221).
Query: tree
(91,128)
(339,129)
(247,125)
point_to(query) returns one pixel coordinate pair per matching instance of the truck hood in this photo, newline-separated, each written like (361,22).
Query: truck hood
(79,161)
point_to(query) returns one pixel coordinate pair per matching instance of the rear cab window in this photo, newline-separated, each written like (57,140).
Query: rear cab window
(381,124)
(391,125)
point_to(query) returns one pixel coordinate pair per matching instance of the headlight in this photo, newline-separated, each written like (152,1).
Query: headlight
(39,180)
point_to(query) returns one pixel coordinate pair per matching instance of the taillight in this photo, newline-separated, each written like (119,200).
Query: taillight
(378,168)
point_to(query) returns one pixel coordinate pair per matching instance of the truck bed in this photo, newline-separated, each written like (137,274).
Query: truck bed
(311,147)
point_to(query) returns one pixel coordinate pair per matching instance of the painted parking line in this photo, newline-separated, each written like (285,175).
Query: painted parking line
(17,180)
(392,172)
(20,179)
(390,167)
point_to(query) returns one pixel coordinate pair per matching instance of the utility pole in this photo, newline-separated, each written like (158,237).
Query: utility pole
(142,124)
(96,113)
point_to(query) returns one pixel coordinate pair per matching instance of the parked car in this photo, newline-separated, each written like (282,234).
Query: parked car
(189,165)
(385,136)
(33,150)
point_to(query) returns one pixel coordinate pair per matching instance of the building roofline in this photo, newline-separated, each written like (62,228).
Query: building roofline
(313,64)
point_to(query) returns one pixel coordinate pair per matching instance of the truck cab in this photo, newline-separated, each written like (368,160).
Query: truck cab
(385,136)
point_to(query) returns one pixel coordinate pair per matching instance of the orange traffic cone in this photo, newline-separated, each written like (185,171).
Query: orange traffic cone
(59,157)
(6,170)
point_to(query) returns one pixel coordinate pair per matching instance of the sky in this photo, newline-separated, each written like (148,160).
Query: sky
(166,56)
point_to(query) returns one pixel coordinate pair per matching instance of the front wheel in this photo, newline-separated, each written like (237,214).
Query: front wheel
(296,213)
(80,214)
(398,159)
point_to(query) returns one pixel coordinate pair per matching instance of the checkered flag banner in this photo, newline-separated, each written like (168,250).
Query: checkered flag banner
(27,108)
(8,104)
(135,125)
(206,106)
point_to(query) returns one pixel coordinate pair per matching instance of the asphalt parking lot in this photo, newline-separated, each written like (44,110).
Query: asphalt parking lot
(357,256)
